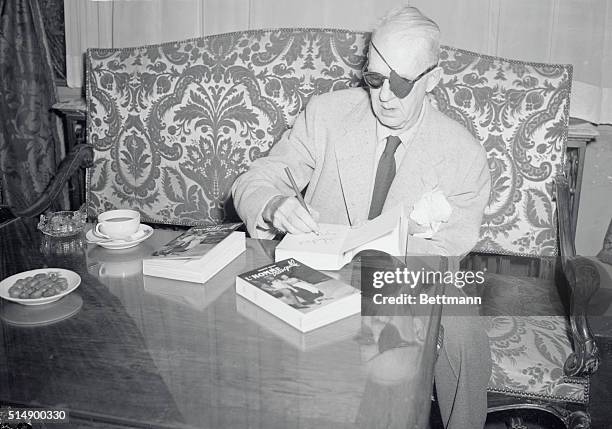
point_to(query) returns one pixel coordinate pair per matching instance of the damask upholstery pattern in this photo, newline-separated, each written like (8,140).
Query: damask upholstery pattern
(530,340)
(528,356)
(174,124)
(520,113)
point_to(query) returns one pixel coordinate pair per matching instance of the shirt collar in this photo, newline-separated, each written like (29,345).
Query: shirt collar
(405,136)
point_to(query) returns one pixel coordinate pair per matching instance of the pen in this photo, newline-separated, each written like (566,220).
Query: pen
(298,194)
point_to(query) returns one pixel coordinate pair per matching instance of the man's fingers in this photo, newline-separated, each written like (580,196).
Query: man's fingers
(304,217)
(291,217)
(290,223)
(313,213)
(298,224)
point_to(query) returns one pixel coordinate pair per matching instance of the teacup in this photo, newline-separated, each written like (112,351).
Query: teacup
(118,224)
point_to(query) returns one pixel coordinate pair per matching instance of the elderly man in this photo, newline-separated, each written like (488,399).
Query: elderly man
(361,152)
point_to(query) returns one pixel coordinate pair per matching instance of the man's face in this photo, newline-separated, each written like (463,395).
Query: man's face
(409,59)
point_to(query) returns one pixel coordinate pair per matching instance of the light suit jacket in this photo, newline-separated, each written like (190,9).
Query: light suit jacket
(331,148)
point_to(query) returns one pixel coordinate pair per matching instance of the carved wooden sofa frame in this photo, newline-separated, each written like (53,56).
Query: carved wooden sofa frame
(582,282)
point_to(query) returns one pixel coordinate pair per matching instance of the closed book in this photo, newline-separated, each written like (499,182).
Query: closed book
(299,295)
(197,254)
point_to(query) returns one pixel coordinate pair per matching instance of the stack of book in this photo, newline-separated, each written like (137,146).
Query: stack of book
(198,254)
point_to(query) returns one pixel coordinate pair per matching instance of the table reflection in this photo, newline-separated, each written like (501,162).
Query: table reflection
(39,315)
(166,353)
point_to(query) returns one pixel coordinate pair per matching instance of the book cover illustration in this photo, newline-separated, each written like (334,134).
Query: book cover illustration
(195,242)
(298,285)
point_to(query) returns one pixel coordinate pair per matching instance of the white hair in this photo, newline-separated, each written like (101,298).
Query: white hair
(408,23)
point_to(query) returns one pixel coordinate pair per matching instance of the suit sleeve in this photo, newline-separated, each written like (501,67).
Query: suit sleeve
(460,234)
(266,177)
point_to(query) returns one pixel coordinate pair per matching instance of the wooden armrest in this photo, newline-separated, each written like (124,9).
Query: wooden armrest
(566,231)
(81,156)
(583,279)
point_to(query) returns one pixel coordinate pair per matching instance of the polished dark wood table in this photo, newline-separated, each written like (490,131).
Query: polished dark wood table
(128,351)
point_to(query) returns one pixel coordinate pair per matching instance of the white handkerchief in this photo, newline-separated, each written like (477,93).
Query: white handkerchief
(430,212)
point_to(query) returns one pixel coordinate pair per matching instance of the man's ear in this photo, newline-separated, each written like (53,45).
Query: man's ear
(433,77)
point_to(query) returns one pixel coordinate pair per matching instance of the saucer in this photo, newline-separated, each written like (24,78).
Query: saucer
(144,232)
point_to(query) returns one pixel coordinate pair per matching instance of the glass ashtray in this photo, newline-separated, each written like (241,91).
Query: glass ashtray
(63,223)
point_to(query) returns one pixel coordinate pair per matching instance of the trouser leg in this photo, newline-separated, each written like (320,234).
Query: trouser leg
(462,372)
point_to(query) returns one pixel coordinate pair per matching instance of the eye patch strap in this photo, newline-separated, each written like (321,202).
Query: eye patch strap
(380,55)
(398,85)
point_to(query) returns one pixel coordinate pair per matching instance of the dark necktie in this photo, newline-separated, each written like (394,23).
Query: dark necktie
(384,176)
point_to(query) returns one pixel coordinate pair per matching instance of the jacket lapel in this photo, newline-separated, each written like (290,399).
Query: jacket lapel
(355,148)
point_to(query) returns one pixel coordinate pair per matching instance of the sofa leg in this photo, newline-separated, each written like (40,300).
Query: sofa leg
(569,419)
(579,420)
(584,280)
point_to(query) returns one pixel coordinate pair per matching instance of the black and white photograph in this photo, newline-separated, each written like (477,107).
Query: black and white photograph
(177,177)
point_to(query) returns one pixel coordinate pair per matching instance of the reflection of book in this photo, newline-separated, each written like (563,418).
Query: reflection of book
(337,331)
(303,297)
(185,293)
(336,245)
(196,255)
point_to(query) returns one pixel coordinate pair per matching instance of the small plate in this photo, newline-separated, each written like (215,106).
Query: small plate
(141,235)
(38,315)
(74,280)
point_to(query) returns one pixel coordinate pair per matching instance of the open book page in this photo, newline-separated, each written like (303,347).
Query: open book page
(330,240)
(385,224)
(337,244)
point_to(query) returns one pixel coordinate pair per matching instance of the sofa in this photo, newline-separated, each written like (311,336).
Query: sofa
(172,125)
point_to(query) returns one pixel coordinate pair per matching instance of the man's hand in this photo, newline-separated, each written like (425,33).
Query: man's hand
(287,215)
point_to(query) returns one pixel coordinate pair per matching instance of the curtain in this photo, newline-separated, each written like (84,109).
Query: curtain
(29,142)
(578,32)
